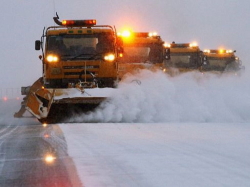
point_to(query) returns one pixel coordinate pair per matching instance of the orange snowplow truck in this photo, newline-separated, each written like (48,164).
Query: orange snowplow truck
(79,70)
(184,57)
(221,61)
(141,50)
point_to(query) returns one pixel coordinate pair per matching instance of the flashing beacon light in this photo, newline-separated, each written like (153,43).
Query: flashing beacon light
(194,44)
(167,45)
(152,34)
(221,51)
(125,33)
(229,51)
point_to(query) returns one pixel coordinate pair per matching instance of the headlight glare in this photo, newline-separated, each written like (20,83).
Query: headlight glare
(109,57)
(52,58)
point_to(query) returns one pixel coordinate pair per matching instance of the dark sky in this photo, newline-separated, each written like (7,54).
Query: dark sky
(213,24)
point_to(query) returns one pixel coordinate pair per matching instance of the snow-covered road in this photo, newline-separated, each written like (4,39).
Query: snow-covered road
(166,154)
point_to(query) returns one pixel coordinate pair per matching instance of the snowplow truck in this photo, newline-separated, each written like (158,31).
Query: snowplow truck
(79,60)
(221,61)
(184,57)
(141,50)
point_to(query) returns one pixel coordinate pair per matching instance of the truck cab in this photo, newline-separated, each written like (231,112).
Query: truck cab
(141,50)
(79,50)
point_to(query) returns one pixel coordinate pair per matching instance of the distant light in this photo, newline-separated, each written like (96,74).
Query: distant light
(49,158)
(194,44)
(221,51)
(52,58)
(45,125)
(229,51)
(166,45)
(5,98)
(151,34)
(109,57)
(125,33)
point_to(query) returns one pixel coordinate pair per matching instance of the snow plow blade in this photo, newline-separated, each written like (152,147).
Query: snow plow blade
(58,105)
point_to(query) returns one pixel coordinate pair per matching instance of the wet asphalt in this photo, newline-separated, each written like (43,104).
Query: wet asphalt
(23,152)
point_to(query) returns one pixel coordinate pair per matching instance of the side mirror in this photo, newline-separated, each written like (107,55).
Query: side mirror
(37,45)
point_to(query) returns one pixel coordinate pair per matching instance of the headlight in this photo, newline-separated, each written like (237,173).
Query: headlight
(109,57)
(49,158)
(52,58)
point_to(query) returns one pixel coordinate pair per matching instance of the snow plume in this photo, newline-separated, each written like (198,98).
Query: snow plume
(190,97)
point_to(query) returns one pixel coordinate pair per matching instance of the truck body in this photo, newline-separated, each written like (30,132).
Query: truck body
(221,61)
(184,57)
(142,50)
(79,70)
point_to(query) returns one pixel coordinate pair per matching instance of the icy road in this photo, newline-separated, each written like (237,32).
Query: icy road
(191,130)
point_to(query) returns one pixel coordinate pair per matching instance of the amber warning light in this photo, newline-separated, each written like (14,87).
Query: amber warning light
(89,22)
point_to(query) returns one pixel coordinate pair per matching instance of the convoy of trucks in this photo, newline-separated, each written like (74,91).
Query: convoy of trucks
(83,62)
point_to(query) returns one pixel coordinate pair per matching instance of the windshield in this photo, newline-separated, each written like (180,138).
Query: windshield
(142,53)
(80,46)
(184,60)
(218,64)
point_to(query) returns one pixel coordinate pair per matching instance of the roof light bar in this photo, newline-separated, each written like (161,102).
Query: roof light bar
(218,51)
(75,23)
(127,33)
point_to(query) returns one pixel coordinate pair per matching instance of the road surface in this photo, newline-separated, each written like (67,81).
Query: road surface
(33,155)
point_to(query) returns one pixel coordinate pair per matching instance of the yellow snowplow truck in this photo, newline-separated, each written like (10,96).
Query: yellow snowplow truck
(221,61)
(184,57)
(79,61)
(142,50)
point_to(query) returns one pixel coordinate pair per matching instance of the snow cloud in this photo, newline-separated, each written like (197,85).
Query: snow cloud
(190,97)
